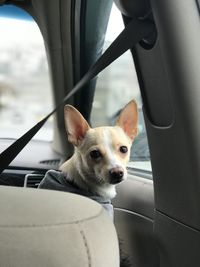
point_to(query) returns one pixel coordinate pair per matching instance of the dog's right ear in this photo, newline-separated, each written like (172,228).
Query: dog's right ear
(128,119)
(76,125)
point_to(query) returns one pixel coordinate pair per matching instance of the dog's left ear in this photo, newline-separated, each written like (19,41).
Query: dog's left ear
(76,125)
(128,119)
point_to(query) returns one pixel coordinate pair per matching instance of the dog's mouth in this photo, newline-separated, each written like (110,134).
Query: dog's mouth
(116,175)
(116,180)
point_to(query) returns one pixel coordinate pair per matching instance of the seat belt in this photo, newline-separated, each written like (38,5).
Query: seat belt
(131,35)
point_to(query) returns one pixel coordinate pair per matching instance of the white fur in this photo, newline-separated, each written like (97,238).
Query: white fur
(111,154)
(113,160)
(79,167)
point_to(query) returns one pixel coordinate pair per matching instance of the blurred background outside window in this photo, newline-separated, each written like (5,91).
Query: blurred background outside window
(116,86)
(25,91)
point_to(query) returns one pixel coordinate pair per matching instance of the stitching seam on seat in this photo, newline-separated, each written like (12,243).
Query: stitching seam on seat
(52,225)
(86,247)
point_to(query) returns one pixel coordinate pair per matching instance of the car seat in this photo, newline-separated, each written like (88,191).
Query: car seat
(49,228)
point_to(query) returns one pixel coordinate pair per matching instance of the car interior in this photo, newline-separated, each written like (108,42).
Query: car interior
(156,210)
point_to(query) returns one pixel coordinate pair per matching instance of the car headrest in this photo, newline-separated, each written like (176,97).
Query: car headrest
(49,228)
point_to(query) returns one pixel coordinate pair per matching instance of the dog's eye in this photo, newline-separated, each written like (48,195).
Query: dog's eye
(95,154)
(123,149)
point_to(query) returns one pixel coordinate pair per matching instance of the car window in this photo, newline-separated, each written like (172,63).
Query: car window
(25,92)
(116,86)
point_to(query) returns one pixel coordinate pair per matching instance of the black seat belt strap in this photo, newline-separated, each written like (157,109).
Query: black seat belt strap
(132,34)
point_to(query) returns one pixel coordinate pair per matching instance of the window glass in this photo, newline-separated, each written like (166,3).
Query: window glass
(116,86)
(25,92)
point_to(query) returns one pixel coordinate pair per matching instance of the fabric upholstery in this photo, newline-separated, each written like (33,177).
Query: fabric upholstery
(56,180)
(54,229)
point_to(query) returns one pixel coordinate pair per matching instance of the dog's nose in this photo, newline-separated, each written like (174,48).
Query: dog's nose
(116,175)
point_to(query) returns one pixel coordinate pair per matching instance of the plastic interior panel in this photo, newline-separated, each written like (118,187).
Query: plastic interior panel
(134,215)
(178,244)
(155,86)
(136,194)
(135,8)
(175,150)
(37,155)
(173,64)
(169,86)
(137,242)
(57,38)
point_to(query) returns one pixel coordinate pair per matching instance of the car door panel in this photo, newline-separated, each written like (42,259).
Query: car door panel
(134,217)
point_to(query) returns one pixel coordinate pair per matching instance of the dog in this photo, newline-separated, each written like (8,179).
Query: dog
(100,154)
(99,160)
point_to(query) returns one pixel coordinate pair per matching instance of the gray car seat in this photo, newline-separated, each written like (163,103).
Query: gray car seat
(49,228)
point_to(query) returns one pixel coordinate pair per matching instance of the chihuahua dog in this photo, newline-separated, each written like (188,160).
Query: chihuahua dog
(99,160)
(100,154)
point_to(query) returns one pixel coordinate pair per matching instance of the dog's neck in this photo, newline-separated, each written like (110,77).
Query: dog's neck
(75,172)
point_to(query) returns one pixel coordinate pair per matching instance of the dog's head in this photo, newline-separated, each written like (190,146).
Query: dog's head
(103,151)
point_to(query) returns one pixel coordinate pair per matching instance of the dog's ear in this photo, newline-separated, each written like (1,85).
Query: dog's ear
(76,125)
(128,119)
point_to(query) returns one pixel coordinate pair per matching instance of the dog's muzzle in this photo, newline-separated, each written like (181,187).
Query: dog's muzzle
(116,175)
